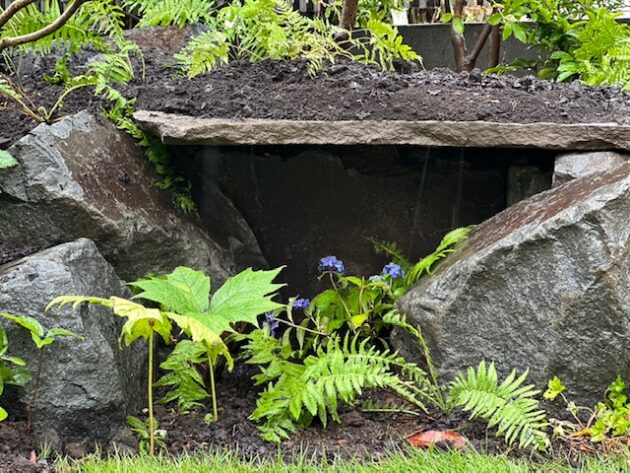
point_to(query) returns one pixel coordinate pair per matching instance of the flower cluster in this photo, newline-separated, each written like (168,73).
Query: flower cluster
(331,264)
(301,303)
(393,270)
(272,323)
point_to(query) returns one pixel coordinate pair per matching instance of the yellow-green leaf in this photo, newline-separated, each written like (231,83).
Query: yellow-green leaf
(358,320)
(141,321)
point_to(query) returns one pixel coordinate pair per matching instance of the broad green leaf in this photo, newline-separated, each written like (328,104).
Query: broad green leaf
(15,360)
(221,349)
(19,377)
(29,323)
(199,327)
(184,290)
(3,414)
(6,160)
(520,33)
(140,320)
(243,298)
(495,19)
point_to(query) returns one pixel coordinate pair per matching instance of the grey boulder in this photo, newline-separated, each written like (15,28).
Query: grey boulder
(83,178)
(576,165)
(543,285)
(87,387)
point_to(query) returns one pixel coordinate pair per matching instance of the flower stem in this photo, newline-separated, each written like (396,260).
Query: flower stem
(215,411)
(150,393)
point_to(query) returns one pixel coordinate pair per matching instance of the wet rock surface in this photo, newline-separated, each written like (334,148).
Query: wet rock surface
(572,166)
(83,178)
(543,285)
(86,387)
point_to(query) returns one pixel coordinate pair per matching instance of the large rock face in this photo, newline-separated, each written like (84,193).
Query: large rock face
(83,178)
(87,387)
(544,285)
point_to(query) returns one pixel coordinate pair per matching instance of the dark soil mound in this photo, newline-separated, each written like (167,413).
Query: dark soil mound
(283,90)
(345,91)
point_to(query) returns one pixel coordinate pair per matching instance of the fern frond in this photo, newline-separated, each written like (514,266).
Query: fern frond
(442,251)
(186,385)
(509,406)
(171,12)
(339,372)
(93,22)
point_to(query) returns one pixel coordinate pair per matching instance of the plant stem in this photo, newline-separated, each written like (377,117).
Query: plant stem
(60,100)
(431,366)
(40,359)
(343,303)
(290,324)
(150,392)
(215,412)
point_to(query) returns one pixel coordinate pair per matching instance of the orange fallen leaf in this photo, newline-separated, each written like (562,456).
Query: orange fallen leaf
(431,437)
(33,458)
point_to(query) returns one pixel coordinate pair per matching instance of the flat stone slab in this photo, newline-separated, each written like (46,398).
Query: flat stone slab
(186,130)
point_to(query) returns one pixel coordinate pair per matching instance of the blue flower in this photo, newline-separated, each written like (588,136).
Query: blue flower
(301,303)
(331,264)
(393,270)
(272,323)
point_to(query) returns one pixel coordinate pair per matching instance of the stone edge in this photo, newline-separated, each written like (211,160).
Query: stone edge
(186,130)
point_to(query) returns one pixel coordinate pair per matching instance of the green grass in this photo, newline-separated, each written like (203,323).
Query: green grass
(415,462)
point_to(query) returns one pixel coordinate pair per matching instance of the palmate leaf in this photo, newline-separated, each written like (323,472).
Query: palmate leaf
(243,298)
(183,291)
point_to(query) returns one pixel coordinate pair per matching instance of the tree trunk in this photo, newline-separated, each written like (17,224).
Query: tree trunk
(349,14)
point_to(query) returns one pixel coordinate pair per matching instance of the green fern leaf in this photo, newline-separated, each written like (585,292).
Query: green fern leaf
(510,406)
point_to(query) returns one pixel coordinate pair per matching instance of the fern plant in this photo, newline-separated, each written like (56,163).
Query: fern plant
(6,159)
(414,271)
(257,30)
(171,12)
(510,406)
(603,57)
(338,371)
(90,24)
(186,384)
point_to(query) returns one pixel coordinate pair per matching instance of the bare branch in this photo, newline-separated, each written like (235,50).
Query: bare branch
(495,47)
(45,31)
(471,59)
(12,9)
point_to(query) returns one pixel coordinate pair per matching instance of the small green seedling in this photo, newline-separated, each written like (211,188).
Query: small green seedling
(16,375)
(41,338)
